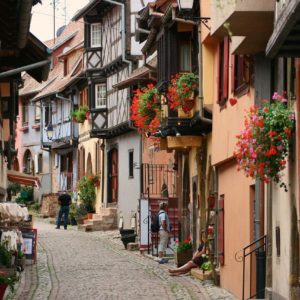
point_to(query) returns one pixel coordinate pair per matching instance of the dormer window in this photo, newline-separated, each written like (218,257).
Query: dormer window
(100,95)
(96,35)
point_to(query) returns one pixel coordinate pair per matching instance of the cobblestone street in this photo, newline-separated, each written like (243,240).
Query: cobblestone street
(77,265)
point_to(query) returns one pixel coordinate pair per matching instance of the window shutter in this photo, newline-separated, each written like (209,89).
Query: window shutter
(36,163)
(233,58)
(221,230)
(225,69)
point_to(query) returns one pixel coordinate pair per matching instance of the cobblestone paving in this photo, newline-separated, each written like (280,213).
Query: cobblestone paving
(77,265)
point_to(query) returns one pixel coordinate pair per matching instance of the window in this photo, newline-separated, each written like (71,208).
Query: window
(223,71)
(37,112)
(25,116)
(130,163)
(96,35)
(100,95)
(40,163)
(240,75)
(184,56)
(48,115)
(84,97)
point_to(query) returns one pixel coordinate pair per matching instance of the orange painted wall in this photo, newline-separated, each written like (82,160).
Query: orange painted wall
(237,228)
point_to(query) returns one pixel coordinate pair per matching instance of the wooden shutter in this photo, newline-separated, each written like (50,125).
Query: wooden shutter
(233,57)
(225,69)
(221,253)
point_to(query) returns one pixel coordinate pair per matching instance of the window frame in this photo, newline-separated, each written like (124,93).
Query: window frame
(37,117)
(223,70)
(240,76)
(25,114)
(100,84)
(131,163)
(181,44)
(92,31)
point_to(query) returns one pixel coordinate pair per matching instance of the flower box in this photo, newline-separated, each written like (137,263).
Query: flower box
(182,257)
(183,142)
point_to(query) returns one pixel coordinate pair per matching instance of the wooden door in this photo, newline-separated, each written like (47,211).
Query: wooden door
(113,176)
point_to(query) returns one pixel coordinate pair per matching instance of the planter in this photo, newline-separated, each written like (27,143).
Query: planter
(185,115)
(90,216)
(80,220)
(2,290)
(128,238)
(183,257)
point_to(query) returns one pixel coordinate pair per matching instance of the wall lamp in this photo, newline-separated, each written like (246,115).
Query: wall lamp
(186,8)
(50,132)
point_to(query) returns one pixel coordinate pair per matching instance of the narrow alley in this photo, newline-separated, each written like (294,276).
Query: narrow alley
(77,265)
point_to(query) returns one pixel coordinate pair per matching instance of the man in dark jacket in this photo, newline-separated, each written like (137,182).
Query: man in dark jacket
(64,200)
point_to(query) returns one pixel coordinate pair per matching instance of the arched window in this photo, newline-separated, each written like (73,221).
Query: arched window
(89,165)
(28,167)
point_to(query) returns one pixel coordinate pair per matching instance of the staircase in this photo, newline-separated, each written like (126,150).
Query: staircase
(106,219)
(173,217)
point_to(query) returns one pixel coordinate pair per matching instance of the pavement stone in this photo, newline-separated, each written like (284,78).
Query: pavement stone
(77,265)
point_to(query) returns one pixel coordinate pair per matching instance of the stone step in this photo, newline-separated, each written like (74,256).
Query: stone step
(98,227)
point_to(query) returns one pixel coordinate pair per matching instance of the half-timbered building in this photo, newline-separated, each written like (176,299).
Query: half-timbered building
(111,54)
(19,51)
(176,42)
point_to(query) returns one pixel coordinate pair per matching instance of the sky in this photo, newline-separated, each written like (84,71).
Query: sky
(42,16)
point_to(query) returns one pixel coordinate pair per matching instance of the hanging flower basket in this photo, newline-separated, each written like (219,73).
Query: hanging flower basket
(81,114)
(262,146)
(181,91)
(146,109)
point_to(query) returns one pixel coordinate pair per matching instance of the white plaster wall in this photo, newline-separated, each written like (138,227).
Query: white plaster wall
(281,213)
(129,188)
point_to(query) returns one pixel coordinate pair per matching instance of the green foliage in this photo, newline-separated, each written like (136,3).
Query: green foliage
(207,265)
(86,193)
(5,256)
(26,195)
(80,114)
(35,207)
(14,188)
(185,245)
(10,280)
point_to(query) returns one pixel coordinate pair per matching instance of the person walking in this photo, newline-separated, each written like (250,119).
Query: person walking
(64,200)
(164,231)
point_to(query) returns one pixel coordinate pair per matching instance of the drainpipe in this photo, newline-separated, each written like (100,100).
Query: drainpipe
(24,24)
(25,68)
(123,33)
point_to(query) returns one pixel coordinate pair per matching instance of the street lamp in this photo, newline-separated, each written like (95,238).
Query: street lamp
(186,10)
(185,4)
(49,131)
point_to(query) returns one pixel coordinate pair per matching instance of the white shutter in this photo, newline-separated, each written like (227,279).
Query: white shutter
(36,163)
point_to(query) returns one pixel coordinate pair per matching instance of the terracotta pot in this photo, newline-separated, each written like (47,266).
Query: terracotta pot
(182,257)
(90,216)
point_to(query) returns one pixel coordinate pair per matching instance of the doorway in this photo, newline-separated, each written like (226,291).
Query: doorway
(113,176)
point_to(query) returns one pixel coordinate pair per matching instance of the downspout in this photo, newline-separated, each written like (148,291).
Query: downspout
(24,24)
(25,68)
(123,33)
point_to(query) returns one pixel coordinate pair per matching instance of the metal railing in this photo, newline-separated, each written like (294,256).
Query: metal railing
(256,251)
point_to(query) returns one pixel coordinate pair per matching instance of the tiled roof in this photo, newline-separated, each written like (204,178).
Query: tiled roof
(72,37)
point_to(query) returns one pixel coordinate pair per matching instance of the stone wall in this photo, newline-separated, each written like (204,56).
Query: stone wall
(49,205)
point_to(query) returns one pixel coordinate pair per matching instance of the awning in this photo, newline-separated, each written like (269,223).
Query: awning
(24,179)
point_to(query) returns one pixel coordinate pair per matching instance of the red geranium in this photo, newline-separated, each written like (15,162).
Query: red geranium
(145,109)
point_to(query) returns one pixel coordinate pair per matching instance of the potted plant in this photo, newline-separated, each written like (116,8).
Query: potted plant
(87,194)
(181,91)
(95,179)
(72,214)
(80,214)
(183,252)
(146,109)
(80,115)
(7,278)
(262,146)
